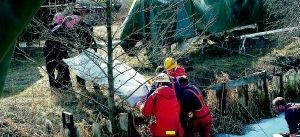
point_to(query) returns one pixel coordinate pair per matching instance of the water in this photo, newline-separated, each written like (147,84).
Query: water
(264,128)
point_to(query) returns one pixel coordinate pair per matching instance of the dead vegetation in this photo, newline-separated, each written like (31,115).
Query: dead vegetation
(239,110)
(30,109)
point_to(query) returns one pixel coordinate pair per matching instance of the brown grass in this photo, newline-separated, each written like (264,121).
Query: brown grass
(238,113)
(30,109)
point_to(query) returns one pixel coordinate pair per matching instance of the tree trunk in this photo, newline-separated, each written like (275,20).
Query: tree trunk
(111,103)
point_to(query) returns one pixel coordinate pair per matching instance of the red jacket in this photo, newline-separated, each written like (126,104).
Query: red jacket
(178,71)
(163,105)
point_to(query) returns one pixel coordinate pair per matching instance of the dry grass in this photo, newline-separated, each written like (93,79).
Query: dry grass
(290,48)
(238,112)
(228,123)
(29,109)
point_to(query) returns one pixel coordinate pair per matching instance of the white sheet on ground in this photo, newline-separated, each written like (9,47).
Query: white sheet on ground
(268,128)
(129,84)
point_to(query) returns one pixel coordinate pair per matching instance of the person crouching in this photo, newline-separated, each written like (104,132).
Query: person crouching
(195,115)
(164,109)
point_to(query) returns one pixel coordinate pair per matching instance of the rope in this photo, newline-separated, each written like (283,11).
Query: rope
(253,119)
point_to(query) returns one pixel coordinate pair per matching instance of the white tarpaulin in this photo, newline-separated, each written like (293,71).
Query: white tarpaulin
(129,84)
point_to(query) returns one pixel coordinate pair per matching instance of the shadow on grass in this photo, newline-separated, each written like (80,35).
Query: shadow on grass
(23,72)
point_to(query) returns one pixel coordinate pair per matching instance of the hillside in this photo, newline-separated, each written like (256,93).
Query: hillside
(30,109)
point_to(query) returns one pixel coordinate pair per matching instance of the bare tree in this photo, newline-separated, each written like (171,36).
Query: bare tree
(283,14)
(149,44)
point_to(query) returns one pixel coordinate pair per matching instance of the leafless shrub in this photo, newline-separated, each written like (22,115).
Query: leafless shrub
(283,14)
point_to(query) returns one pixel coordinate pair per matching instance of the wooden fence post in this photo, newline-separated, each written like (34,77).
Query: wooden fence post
(267,100)
(123,121)
(281,85)
(96,130)
(108,125)
(246,95)
(280,75)
(222,99)
(69,124)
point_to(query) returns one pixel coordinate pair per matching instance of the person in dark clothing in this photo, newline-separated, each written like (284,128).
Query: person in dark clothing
(195,115)
(85,32)
(56,46)
(51,52)
(86,40)
(291,113)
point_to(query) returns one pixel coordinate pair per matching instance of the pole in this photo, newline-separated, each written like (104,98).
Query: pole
(111,103)
(267,99)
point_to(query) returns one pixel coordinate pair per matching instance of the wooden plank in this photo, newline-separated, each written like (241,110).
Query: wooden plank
(268,32)
(54,5)
(253,78)
(104,44)
(251,26)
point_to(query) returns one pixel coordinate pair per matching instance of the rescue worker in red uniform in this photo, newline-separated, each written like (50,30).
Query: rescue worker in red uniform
(173,69)
(164,109)
(195,115)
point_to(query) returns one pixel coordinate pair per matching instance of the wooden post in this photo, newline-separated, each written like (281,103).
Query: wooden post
(96,130)
(246,95)
(78,132)
(123,121)
(292,86)
(280,75)
(245,91)
(222,99)
(109,126)
(66,132)
(69,124)
(281,85)
(267,100)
